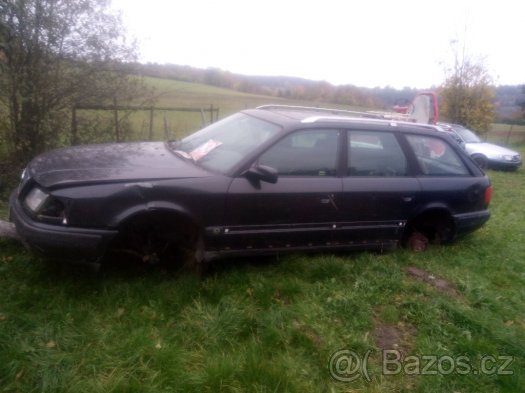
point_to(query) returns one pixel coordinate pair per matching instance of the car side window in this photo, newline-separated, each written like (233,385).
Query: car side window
(304,153)
(436,157)
(375,154)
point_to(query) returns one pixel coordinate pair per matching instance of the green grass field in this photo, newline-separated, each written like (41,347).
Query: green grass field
(273,324)
(174,125)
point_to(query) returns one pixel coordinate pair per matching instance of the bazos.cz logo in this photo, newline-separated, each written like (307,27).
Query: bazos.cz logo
(347,366)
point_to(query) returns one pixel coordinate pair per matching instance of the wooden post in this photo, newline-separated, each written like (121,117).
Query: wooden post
(151,124)
(203,120)
(115,111)
(508,134)
(74,126)
(166,131)
(211,113)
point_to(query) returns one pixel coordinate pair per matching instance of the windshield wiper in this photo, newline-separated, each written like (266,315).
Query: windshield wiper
(173,147)
(173,144)
(184,155)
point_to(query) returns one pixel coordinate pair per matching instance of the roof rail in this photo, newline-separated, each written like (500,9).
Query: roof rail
(371,114)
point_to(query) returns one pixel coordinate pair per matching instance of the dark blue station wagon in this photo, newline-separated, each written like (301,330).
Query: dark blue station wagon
(265,180)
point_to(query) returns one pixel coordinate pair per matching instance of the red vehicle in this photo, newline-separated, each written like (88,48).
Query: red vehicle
(423,109)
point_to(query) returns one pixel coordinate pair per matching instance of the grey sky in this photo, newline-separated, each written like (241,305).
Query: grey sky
(365,43)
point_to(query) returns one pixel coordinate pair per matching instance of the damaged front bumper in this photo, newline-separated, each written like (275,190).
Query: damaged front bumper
(63,242)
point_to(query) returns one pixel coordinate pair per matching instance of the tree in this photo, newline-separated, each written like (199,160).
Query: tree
(53,55)
(467,93)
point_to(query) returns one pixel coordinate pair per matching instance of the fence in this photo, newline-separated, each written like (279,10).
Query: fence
(207,116)
(507,134)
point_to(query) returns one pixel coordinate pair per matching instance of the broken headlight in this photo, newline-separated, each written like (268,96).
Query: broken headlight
(45,206)
(36,199)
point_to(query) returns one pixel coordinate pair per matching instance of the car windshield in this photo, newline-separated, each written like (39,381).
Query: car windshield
(467,135)
(222,145)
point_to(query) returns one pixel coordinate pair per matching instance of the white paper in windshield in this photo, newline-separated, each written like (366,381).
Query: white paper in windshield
(204,149)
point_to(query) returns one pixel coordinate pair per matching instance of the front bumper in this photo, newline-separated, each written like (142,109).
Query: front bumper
(55,241)
(509,165)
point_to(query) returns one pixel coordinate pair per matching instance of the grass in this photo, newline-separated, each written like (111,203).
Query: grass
(271,325)
(506,134)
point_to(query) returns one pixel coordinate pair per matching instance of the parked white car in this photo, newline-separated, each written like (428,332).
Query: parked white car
(486,155)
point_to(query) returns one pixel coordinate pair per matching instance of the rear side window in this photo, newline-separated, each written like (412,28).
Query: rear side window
(304,153)
(375,154)
(436,157)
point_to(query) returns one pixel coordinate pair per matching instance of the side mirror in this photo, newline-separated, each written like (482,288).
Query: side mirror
(262,173)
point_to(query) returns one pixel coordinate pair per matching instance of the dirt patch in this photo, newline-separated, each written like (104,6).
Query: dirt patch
(439,283)
(399,337)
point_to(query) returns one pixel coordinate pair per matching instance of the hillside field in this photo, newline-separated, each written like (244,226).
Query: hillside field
(174,125)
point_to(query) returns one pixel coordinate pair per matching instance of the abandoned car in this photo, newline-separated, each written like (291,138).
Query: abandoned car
(486,155)
(264,180)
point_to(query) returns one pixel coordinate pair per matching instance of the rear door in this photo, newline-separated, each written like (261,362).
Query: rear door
(379,189)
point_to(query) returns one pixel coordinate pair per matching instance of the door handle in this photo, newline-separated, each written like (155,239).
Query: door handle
(329,200)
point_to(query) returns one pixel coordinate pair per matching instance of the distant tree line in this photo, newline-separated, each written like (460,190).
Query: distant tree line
(283,86)
(506,100)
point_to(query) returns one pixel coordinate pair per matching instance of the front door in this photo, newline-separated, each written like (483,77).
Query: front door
(297,211)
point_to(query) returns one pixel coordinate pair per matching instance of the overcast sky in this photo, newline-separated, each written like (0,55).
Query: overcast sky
(365,43)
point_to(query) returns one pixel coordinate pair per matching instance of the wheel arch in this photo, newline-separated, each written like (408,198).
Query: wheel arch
(436,222)
(160,232)
(154,208)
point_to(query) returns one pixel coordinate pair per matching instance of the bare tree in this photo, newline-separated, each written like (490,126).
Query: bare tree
(467,93)
(54,54)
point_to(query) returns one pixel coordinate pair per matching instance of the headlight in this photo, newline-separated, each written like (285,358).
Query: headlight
(36,199)
(507,157)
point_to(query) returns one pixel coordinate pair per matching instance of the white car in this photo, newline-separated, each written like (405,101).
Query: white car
(486,155)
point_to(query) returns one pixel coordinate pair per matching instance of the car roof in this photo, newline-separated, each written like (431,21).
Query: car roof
(292,116)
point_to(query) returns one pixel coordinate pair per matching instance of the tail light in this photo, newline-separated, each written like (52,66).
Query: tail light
(488,195)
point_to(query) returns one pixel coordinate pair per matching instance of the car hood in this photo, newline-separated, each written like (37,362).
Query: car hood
(115,162)
(488,149)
